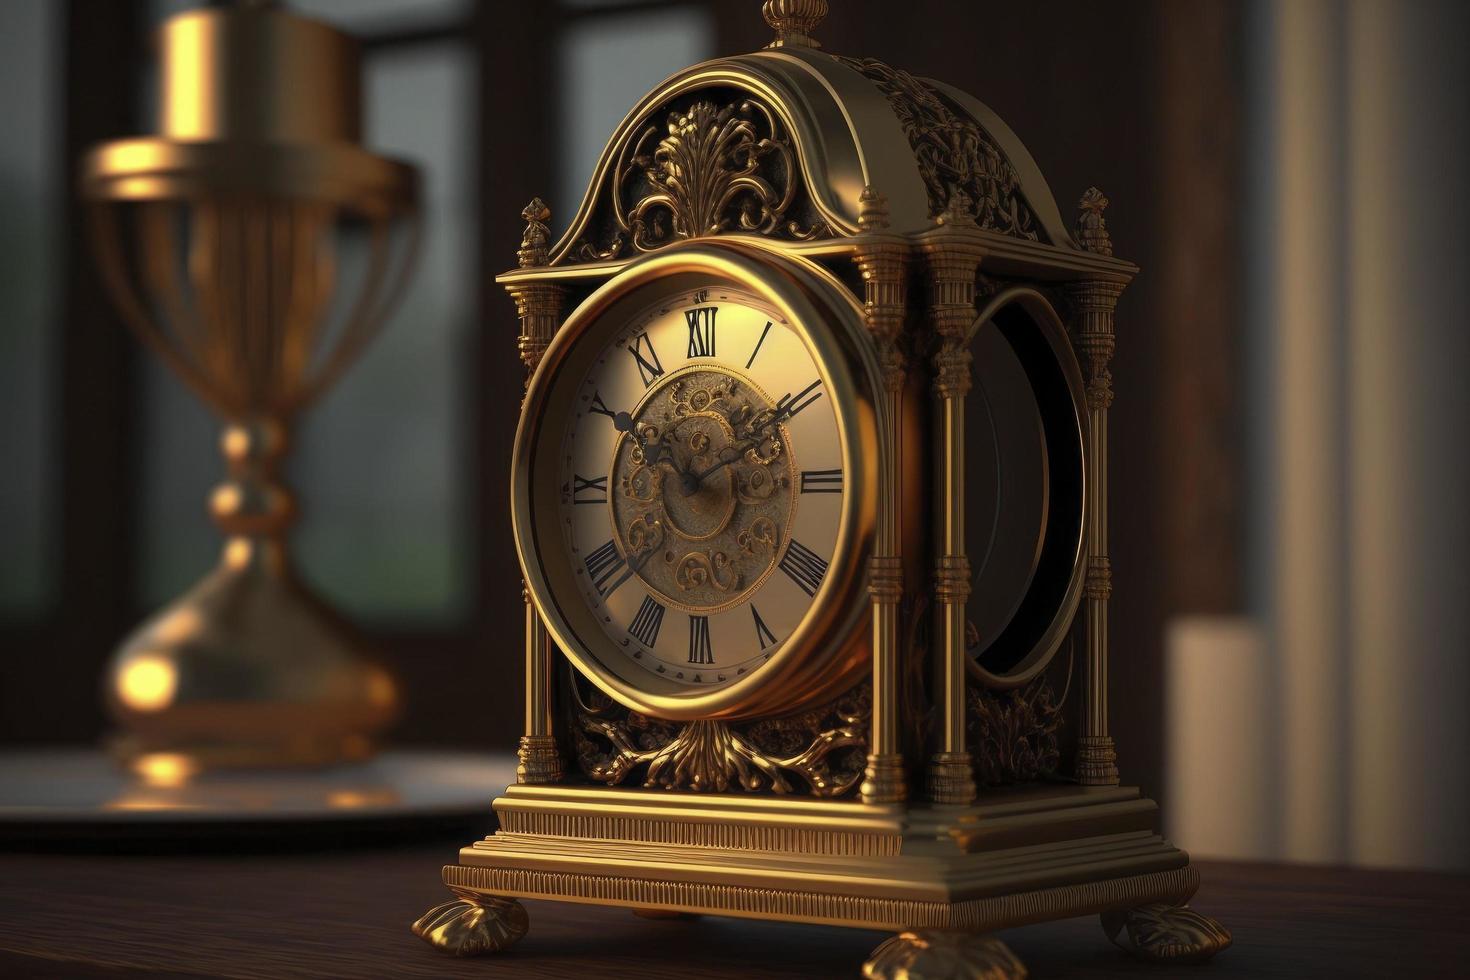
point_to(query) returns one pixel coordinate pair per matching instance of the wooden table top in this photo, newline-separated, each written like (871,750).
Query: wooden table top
(346,913)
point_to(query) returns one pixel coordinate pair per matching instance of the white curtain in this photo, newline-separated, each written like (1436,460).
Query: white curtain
(1338,709)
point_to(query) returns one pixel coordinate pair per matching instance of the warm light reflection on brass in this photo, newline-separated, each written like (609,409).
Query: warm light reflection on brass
(165,769)
(349,799)
(878,209)
(219,239)
(147,683)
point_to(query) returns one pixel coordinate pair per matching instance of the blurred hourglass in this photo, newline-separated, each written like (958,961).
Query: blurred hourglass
(256,247)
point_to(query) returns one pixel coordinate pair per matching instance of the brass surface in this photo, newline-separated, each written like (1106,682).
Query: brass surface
(1166,933)
(881,259)
(231,278)
(933,955)
(1026,857)
(1095,302)
(794,21)
(713,168)
(720,543)
(862,202)
(539,308)
(473,924)
(819,748)
(951,264)
(1044,318)
(822,655)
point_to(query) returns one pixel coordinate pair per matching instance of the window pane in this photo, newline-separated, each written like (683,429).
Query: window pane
(29,196)
(608,63)
(382,458)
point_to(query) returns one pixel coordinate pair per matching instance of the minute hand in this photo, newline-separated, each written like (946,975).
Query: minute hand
(788,406)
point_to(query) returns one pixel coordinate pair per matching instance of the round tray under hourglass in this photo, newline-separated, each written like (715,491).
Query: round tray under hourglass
(81,798)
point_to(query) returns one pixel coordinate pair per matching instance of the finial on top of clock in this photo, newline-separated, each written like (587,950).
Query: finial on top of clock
(536,240)
(872,209)
(1092,228)
(793,21)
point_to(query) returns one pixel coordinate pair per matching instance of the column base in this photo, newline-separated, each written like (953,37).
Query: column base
(883,780)
(951,778)
(1097,761)
(540,760)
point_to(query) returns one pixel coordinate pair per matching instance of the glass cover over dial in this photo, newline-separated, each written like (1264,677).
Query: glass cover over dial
(702,486)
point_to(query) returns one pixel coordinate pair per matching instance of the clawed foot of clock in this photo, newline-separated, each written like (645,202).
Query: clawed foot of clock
(1166,933)
(473,924)
(934,955)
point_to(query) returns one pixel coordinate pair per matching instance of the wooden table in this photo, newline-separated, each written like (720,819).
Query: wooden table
(346,914)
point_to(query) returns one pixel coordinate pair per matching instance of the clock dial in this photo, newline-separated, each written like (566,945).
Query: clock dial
(702,485)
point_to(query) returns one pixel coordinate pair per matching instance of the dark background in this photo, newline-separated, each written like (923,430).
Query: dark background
(1138,98)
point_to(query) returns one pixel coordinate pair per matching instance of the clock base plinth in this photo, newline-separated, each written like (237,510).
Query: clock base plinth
(1019,857)
(943,956)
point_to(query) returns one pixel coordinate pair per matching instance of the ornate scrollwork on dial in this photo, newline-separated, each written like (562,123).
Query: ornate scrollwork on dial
(822,751)
(967,177)
(706,476)
(1013,734)
(713,167)
(706,569)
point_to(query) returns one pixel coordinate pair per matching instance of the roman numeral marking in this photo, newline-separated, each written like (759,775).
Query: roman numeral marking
(701,323)
(646,624)
(699,648)
(762,631)
(792,404)
(804,566)
(600,407)
(593,491)
(821,481)
(649,368)
(758,345)
(605,563)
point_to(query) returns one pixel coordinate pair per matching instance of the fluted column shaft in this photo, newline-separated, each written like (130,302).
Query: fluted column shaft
(1094,303)
(951,267)
(883,263)
(539,306)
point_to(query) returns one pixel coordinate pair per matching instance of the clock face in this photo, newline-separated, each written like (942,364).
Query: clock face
(702,485)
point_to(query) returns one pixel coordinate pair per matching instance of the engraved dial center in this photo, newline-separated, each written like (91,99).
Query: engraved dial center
(703,488)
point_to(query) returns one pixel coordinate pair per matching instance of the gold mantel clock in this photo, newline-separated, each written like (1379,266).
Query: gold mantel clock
(810,499)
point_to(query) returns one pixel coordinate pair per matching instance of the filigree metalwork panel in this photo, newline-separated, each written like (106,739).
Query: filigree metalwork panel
(966,176)
(1012,734)
(821,751)
(708,166)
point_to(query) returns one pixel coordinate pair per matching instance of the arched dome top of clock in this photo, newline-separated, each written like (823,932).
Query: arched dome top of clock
(781,142)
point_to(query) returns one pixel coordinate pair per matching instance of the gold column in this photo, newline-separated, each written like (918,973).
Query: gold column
(1095,301)
(539,306)
(882,259)
(952,263)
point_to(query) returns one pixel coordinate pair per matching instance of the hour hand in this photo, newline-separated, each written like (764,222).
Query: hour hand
(653,452)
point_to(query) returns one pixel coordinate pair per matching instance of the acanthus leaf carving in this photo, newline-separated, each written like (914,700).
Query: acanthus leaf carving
(822,750)
(712,168)
(967,177)
(1012,734)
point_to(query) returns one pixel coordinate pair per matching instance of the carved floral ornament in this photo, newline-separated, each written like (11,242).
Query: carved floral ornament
(821,751)
(710,168)
(967,178)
